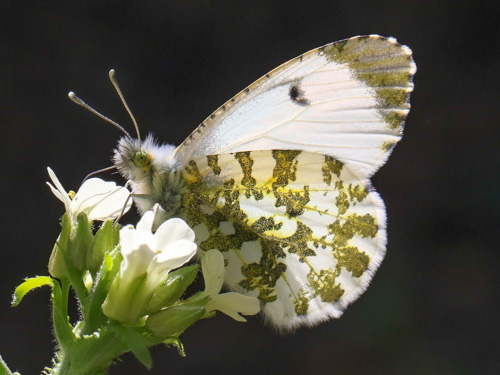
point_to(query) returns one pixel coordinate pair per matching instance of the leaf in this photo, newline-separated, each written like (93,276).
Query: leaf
(4,370)
(134,342)
(175,341)
(28,285)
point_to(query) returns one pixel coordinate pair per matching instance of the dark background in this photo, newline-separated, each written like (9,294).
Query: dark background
(433,306)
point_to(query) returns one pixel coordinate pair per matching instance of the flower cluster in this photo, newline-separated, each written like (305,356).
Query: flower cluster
(130,282)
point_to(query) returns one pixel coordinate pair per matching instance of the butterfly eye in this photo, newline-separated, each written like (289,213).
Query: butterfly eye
(142,160)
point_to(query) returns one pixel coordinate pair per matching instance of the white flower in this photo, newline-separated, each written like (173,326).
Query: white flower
(98,199)
(232,303)
(147,260)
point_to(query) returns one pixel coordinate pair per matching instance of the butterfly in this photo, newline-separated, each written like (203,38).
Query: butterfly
(277,178)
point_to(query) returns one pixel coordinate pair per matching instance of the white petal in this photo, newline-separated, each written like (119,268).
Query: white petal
(94,186)
(57,193)
(137,249)
(112,205)
(171,231)
(234,304)
(170,258)
(146,222)
(63,194)
(212,266)
(175,256)
(100,199)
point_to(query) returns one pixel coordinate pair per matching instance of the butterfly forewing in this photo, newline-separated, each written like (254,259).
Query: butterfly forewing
(348,99)
(298,229)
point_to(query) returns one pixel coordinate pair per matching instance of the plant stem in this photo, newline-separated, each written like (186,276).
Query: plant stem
(89,355)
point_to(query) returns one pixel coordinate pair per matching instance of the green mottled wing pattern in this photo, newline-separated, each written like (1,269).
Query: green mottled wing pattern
(298,230)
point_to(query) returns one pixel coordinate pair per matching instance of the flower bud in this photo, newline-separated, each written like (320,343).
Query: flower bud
(173,288)
(177,318)
(79,242)
(57,268)
(105,240)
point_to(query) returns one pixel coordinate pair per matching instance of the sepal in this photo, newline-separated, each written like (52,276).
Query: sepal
(172,288)
(127,303)
(175,319)
(79,242)
(57,267)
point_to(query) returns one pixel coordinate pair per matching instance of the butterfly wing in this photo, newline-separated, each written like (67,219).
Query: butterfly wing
(347,99)
(298,230)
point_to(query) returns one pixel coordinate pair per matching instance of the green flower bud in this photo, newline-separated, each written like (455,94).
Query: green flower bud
(105,240)
(173,288)
(57,268)
(176,319)
(79,242)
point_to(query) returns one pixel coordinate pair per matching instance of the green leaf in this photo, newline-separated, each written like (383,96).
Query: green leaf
(4,370)
(28,285)
(62,328)
(134,342)
(175,341)
(173,288)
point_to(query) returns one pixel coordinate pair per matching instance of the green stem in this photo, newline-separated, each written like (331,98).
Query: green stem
(90,355)
(65,286)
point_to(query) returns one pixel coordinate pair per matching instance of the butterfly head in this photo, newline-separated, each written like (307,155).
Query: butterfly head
(151,171)
(138,160)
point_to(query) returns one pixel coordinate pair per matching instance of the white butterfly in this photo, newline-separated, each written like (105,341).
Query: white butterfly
(277,178)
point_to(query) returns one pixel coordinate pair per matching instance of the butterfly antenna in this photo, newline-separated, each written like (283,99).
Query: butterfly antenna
(117,88)
(99,171)
(80,102)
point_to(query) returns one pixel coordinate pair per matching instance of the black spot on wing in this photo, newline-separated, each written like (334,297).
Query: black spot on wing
(297,95)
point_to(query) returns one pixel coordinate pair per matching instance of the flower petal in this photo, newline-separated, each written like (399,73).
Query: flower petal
(212,266)
(100,199)
(112,205)
(63,195)
(137,249)
(57,193)
(234,304)
(171,231)
(173,257)
(146,222)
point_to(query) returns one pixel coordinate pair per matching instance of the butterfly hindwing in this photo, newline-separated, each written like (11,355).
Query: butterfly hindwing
(347,99)
(298,230)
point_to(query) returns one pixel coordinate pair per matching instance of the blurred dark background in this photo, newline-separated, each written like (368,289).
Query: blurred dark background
(434,304)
